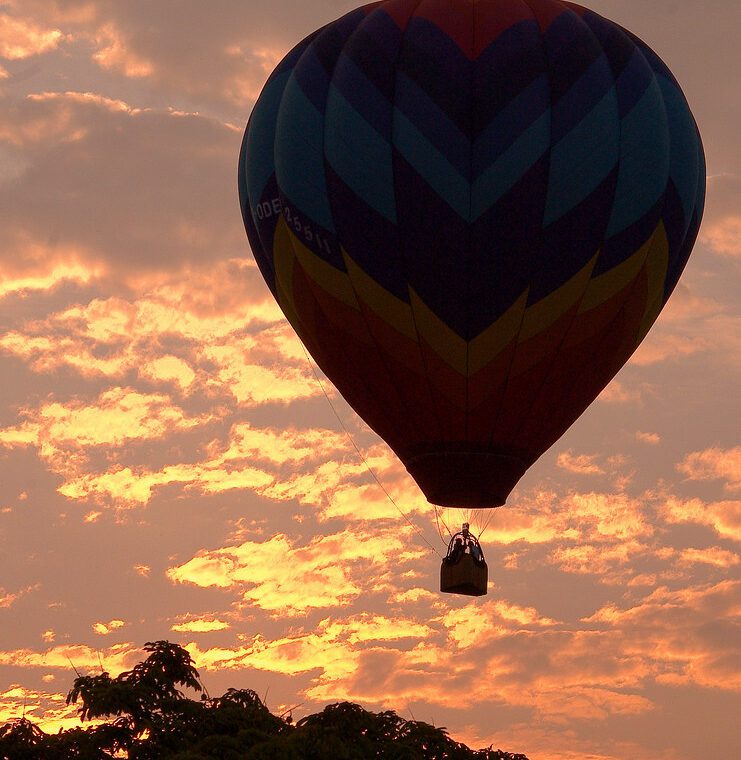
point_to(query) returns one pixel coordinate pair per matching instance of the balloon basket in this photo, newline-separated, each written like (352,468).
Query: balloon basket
(467,576)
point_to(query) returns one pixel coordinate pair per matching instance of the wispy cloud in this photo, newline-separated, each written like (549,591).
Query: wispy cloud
(714,464)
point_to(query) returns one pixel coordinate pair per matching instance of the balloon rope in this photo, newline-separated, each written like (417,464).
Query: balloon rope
(361,455)
(486,524)
(437,522)
(439,512)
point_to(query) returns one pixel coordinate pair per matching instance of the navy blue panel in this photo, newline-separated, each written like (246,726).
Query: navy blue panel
(571,49)
(573,240)
(505,70)
(374,49)
(434,61)
(433,241)
(631,74)
(364,214)
(581,99)
(498,272)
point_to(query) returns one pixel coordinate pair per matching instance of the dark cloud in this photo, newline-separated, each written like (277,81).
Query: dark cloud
(134,191)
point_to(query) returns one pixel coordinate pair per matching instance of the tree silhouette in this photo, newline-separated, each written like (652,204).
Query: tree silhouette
(145,716)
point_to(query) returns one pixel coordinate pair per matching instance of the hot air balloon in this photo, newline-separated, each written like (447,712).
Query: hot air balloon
(471,212)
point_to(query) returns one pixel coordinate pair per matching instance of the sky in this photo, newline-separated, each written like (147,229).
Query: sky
(170,467)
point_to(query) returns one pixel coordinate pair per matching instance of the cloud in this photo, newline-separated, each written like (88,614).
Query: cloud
(252,458)
(163,180)
(221,62)
(714,464)
(20,38)
(609,563)
(47,710)
(477,623)
(209,352)
(113,53)
(724,237)
(713,555)
(580,464)
(115,659)
(618,392)
(691,631)
(660,346)
(724,517)
(103,629)
(116,417)
(200,625)
(285,579)
(651,438)
(8,599)
(721,230)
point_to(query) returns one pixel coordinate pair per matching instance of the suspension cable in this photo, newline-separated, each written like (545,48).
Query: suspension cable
(360,453)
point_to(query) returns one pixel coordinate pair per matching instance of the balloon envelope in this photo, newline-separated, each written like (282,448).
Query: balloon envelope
(471,213)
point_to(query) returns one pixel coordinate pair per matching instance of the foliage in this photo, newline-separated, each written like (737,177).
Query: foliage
(143,715)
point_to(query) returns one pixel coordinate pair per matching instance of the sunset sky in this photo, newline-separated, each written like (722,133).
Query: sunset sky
(171,469)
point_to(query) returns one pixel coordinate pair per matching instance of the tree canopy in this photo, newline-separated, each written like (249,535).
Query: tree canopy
(142,714)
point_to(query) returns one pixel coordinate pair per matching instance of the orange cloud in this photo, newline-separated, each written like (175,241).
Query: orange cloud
(617,392)
(113,53)
(724,517)
(660,346)
(581,464)
(672,627)
(713,555)
(607,516)
(8,599)
(714,464)
(598,560)
(118,416)
(20,38)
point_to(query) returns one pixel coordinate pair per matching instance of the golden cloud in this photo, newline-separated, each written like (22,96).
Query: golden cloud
(47,710)
(169,369)
(103,629)
(285,579)
(63,266)
(114,337)
(115,659)
(476,623)
(200,625)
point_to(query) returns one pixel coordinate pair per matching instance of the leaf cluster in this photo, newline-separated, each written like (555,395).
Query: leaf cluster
(143,714)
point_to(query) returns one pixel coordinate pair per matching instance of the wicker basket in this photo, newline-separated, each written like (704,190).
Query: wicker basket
(466,576)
